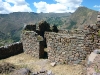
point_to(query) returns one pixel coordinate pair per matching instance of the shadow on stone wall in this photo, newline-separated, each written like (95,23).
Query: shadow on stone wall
(34,41)
(10,50)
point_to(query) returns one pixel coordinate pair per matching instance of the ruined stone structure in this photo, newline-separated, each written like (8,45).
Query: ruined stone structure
(33,41)
(64,48)
(69,47)
(32,44)
(93,35)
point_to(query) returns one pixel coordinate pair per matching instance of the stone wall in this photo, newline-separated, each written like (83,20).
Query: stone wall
(64,48)
(91,42)
(70,48)
(33,40)
(32,43)
(31,27)
(71,32)
(63,31)
(92,37)
(10,50)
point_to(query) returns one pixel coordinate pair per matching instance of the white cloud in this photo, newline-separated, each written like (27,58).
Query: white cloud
(59,7)
(8,6)
(97,6)
(17,2)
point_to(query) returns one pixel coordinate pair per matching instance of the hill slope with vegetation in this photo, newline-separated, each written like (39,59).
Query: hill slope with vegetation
(82,16)
(12,24)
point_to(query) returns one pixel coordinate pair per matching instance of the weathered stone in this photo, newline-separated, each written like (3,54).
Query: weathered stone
(49,72)
(63,53)
(77,61)
(53,64)
(77,54)
(92,57)
(97,51)
(22,71)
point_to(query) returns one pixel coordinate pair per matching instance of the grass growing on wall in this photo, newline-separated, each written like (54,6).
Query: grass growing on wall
(99,33)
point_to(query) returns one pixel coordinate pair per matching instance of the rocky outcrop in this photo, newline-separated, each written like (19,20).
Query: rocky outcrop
(6,68)
(25,71)
(93,63)
(22,71)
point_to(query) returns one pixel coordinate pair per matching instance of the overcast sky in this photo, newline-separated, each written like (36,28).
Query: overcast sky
(46,6)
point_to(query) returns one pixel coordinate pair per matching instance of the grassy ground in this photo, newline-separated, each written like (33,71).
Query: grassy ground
(24,60)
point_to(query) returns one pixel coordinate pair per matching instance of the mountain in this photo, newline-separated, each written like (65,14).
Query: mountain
(82,16)
(5,39)
(12,24)
(2,35)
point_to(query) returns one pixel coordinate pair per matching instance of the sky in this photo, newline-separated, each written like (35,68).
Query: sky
(46,6)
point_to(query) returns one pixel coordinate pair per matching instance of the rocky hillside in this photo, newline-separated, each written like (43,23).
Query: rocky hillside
(82,16)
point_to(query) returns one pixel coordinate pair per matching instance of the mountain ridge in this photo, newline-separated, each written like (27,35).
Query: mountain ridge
(12,24)
(83,16)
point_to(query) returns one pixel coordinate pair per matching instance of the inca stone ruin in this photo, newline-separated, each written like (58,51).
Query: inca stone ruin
(63,46)
(60,46)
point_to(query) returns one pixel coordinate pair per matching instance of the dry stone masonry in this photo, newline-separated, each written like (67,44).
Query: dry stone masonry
(64,46)
(30,43)
(10,50)
(33,42)
(92,36)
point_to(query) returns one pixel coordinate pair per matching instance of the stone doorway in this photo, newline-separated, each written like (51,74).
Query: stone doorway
(42,53)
